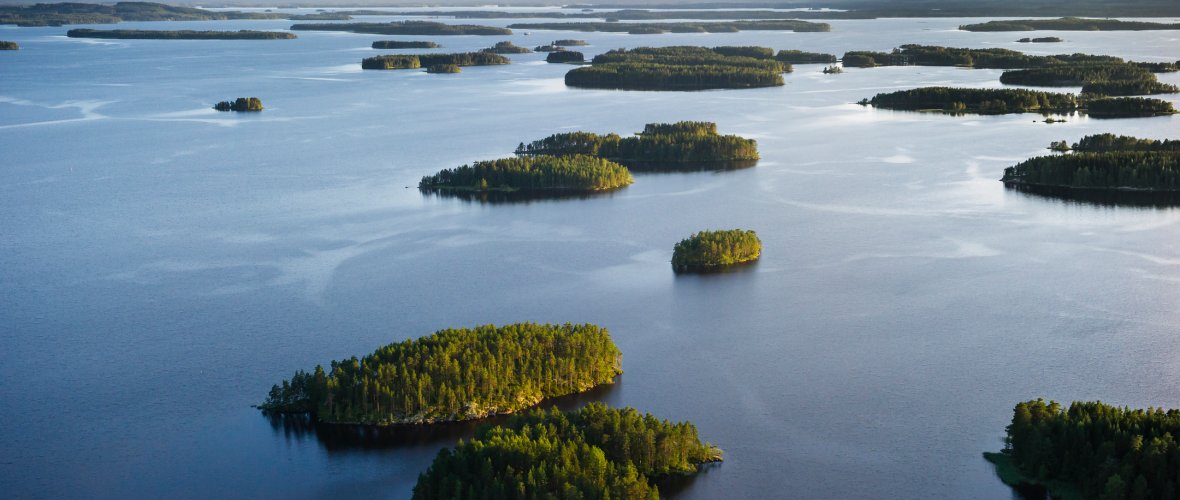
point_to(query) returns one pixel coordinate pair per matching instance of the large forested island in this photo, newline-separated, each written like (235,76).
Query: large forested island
(397,44)
(537,174)
(240,104)
(179,34)
(58,14)
(681,27)
(594,453)
(994,58)
(1069,24)
(1092,450)
(661,146)
(405,28)
(9,46)
(413,61)
(715,250)
(454,374)
(677,68)
(1102,79)
(1104,162)
(1002,101)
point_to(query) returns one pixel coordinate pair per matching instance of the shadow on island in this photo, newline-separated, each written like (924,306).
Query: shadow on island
(655,167)
(672,486)
(1101,197)
(509,197)
(353,437)
(706,273)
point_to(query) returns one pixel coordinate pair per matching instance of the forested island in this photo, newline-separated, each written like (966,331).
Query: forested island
(715,250)
(1114,79)
(405,28)
(507,47)
(569,42)
(240,104)
(395,44)
(681,27)
(1104,161)
(659,147)
(1092,450)
(534,174)
(676,68)
(565,56)
(9,46)
(1002,101)
(595,453)
(1127,107)
(59,14)
(801,57)
(930,55)
(179,34)
(1069,24)
(406,61)
(1044,39)
(454,374)
(444,68)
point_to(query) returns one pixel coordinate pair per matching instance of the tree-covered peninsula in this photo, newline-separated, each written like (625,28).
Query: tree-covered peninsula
(714,250)
(801,57)
(507,47)
(454,374)
(536,174)
(676,68)
(1118,170)
(661,146)
(978,101)
(1101,143)
(1127,107)
(930,55)
(1069,24)
(404,61)
(9,46)
(179,34)
(397,44)
(595,453)
(1092,450)
(405,28)
(680,27)
(240,104)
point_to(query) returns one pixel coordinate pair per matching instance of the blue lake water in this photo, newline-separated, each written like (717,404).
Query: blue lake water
(162,264)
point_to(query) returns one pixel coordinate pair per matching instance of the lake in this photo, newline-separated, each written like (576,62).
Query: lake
(162,264)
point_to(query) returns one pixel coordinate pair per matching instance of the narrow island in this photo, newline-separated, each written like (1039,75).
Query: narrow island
(565,56)
(9,46)
(932,55)
(680,27)
(507,47)
(453,375)
(676,68)
(63,13)
(709,251)
(685,145)
(405,28)
(179,34)
(801,57)
(1044,39)
(320,16)
(1103,162)
(240,104)
(1003,101)
(396,44)
(419,60)
(569,42)
(536,174)
(1069,24)
(594,452)
(444,68)
(1091,450)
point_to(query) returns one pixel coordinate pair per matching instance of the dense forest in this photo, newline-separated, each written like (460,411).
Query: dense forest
(1159,67)
(928,55)
(1093,450)
(980,101)
(1127,107)
(402,61)
(240,104)
(569,42)
(661,146)
(1044,39)
(676,68)
(454,374)
(395,44)
(444,68)
(179,34)
(1101,143)
(801,57)
(1129,87)
(405,28)
(1073,75)
(592,453)
(565,56)
(681,27)
(1143,170)
(507,47)
(59,14)
(9,46)
(712,250)
(1068,24)
(576,173)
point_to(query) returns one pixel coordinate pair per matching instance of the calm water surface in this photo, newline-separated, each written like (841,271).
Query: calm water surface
(161,264)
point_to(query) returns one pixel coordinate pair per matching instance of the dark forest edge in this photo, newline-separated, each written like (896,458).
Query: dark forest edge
(535,174)
(453,375)
(415,61)
(9,45)
(398,44)
(680,27)
(59,14)
(1103,161)
(594,452)
(1068,24)
(992,58)
(676,146)
(1044,39)
(405,28)
(680,68)
(1003,101)
(708,251)
(179,34)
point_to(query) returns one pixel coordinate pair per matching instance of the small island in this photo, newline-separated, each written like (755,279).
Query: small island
(453,375)
(1091,450)
(594,452)
(1069,24)
(708,251)
(801,57)
(9,46)
(1045,39)
(179,34)
(240,104)
(978,101)
(419,60)
(396,44)
(685,145)
(1105,162)
(539,174)
(428,28)
(676,68)
(680,27)
(833,70)
(565,56)
(507,47)
(444,68)
(568,42)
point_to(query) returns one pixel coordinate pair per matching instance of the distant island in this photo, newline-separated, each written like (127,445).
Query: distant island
(715,250)
(1046,39)
(676,68)
(537,174)
(1127,107)
(1068,24)
(801,57)
(565,56)
(444,68)
(60,14)
(569,42)
(1002,101)
(240,104)
(1104,162)
(507,47)
(9,46)
(452,375)
(660,147)
(1091,450)
(680,27)
(405,28)
(594,452)
(994,58)
(419,60)
(395,44)
(320,16)
(179,34)
(833,70)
